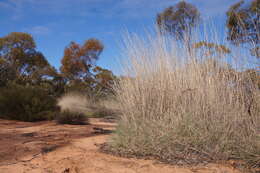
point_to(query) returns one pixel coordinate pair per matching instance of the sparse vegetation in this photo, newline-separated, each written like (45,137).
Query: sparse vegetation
(183,99)
(74,118)
(74,102)
(100,112)
(73,108)
(89,107)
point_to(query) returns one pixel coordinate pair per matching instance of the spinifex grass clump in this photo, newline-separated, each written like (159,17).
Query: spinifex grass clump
(185,106)
(73,108)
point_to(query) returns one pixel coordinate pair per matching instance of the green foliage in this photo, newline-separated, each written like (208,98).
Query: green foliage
(18,52)
(29,85)
(81,73)
(7,73)
(26,103)
(178,20)
(243,23)
(104,81)
(75,118)
(98,85)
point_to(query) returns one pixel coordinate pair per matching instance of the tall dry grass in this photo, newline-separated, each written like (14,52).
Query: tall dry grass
(75,102)
(185,107)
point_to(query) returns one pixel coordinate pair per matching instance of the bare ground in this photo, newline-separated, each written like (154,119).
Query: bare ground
(46,147)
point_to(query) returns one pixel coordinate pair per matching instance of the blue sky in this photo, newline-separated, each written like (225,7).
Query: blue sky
(54,23)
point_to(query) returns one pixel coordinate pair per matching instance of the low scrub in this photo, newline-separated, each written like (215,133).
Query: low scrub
(81,103)
(185,107)
(107,108)
(74,102)
(74,107)
(74,118)
(101,112)
(26,103)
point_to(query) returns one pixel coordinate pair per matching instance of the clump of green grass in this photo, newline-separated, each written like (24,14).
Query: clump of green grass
(185,107)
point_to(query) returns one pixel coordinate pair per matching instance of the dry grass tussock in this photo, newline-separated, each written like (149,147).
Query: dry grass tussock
(75,102)
(80,105)
(74,107)
(185,107)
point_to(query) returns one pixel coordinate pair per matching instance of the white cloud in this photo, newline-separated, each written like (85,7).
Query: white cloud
(39,30)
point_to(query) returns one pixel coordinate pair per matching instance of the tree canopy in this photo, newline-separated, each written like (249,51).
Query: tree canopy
(211,49)
(104,80)
(178,19)
(78,59)
(18,52)
(243,23)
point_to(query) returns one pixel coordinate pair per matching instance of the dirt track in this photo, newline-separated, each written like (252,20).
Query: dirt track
(50,148)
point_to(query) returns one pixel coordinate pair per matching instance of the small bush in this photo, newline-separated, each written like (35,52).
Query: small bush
(75,118)
(26,103)
(81,103)
(107,108)
(74,102)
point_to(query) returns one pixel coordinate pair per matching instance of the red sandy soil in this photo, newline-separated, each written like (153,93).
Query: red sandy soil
(46,147)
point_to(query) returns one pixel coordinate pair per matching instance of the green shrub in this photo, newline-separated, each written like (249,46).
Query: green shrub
(75,118)
(26,103)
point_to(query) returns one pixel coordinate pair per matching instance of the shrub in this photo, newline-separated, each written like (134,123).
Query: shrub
(185,107)
(81,103)
(106,107)
(26,103)
(100,112)
(75,118)
(74,102)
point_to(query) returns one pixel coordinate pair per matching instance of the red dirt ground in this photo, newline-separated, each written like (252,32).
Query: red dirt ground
(46,147)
